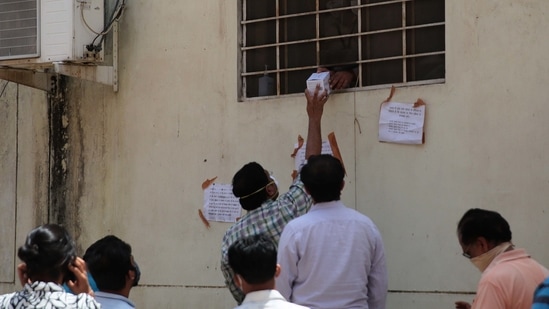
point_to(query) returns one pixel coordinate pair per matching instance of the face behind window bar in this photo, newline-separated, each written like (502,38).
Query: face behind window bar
(385,42)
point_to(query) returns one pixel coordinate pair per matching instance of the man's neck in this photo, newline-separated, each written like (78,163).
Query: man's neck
(270,285)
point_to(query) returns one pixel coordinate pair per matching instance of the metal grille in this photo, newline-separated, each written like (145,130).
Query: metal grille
(385,42)
(18,29)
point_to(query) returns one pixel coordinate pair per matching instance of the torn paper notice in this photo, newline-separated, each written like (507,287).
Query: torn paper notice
(220,204)
(300,155)
(401,123)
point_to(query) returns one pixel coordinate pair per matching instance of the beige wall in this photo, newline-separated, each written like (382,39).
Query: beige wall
(24,171)
(141,154)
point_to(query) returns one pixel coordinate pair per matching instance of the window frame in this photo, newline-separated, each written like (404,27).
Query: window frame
(244,73)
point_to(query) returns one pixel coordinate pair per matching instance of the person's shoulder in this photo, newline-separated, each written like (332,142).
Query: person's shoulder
(5,299)
(86,301)
(300,221)
(296,306)
(234,230)
(360,216)
(110,300)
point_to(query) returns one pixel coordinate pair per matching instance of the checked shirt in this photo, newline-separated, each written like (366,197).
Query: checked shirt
(270,219)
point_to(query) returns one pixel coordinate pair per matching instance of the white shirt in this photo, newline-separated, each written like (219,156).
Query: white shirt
(332,257)
(113,301)
(267,299)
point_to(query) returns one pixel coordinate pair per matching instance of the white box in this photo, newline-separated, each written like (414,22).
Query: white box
(322,79)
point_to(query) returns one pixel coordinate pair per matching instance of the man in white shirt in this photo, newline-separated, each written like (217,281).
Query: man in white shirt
(253,261)
(333,256)
(110,262)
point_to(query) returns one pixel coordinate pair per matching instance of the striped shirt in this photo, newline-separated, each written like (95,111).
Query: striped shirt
(541,296)
(270,218)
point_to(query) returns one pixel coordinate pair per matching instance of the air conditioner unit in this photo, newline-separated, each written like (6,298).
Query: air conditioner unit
(43,31)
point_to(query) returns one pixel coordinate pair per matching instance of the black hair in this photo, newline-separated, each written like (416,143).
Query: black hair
(483,223)
(249,179)
(253,258)
(323,177)
(47,252)
(108,261)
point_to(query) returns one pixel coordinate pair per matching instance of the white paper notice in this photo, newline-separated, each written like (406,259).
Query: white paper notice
(300,155)
(220,204)
(401,123)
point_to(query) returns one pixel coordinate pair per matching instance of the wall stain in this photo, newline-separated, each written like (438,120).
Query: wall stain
(58,153)
(66,161)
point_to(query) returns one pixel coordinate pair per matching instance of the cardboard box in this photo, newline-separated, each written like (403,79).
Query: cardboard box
(322,79)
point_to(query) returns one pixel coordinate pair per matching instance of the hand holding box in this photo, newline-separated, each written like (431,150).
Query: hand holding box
(322,79)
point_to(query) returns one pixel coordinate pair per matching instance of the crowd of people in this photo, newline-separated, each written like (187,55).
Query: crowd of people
(297,250)
(53,276)
(331,256)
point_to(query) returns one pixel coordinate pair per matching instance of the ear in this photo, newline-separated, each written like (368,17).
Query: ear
(271,189)
(277,270)
(130,275)
(342,185)
(484,245)
(22,273)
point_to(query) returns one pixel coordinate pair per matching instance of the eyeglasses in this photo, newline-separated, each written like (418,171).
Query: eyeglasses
(466,254)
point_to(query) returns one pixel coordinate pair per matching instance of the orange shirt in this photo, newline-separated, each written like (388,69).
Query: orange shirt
(509,281)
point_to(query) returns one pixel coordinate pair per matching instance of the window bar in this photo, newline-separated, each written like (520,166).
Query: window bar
(404,74)
(413,40)
(358,82)
(286,74)
(244,54)
(317,30)
(277,35)
(368,47)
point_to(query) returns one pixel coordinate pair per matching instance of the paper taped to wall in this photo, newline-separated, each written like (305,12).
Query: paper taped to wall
(402,123)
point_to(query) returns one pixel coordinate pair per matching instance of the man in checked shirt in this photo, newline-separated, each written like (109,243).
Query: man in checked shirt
(267,212)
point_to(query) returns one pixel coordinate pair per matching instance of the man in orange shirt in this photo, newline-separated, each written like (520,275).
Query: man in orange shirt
(509,275)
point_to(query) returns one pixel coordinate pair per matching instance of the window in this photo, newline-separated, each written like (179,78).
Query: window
(384,42)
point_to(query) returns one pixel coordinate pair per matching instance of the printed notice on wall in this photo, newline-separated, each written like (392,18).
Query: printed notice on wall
(220,204)
(300,155)
(402,122)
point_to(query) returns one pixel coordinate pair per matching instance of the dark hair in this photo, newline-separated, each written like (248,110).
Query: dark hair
(323,177)
(483,223)
(108,261)
(253,258)
(250,178)
(47,251)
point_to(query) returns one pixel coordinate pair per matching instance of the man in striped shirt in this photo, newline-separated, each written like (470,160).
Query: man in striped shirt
(267,212)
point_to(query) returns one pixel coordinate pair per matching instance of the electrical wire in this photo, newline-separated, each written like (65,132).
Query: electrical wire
(115,16)
(4,89)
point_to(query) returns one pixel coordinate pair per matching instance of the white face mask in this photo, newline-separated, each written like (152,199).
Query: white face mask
(482,261)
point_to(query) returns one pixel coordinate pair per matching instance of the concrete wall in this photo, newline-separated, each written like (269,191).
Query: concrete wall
(138,157)
(24,170)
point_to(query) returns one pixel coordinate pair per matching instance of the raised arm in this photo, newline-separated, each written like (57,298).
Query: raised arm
(315,108)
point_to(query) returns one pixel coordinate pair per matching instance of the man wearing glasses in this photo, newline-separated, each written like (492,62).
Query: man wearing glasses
(509,276)
(258,194)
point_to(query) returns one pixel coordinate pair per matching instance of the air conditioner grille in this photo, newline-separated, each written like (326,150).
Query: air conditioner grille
(18,29)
